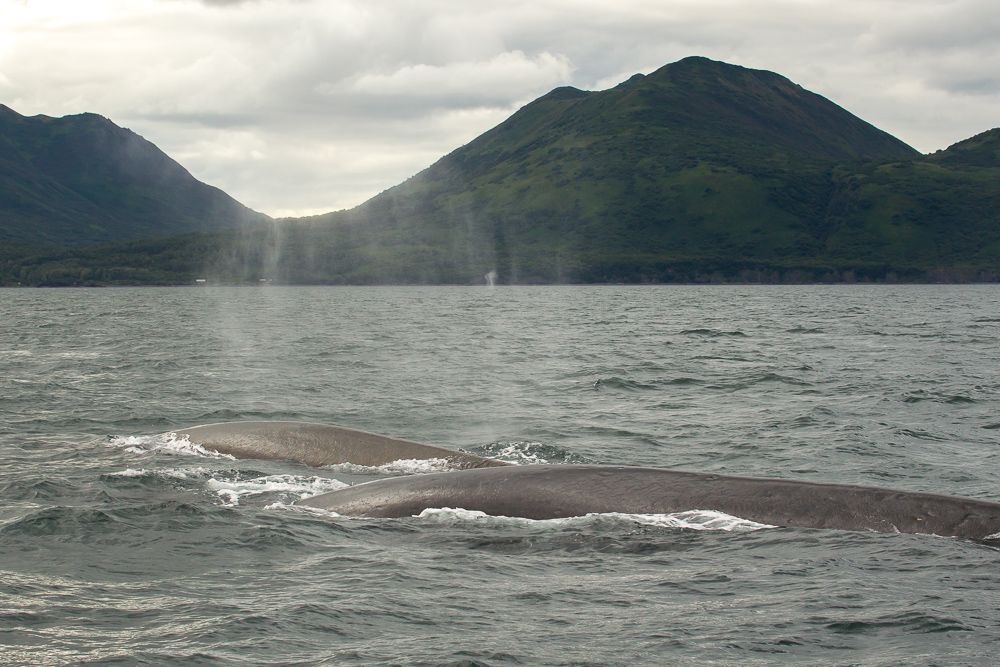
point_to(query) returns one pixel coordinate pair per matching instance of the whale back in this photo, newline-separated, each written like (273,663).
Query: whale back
(555,491)
(320,445)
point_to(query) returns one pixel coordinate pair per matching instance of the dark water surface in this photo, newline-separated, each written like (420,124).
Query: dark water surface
(120,546)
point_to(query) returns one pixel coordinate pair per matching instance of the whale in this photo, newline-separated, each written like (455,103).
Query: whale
(320,445)
(559,491)
(552,491)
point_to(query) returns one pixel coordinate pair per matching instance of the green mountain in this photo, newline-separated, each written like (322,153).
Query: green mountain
(939,212)
(700,171)
(699,161)
(82,180)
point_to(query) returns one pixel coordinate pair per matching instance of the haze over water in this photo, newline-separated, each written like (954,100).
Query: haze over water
(120,545)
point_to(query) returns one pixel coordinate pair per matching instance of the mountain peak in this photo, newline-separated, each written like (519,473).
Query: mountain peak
(717,98)
(632,80)
(700,66)
(564,93)
(690,104)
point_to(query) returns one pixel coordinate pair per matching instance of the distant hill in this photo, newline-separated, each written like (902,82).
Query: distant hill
(939,212)
(698,161)
(81,180)
(701,171)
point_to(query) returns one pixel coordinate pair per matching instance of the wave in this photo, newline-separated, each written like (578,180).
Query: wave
(397,467)
(615,382)
(689,520)
(234,489)
(232,486)
(527,453)
(621,383)
(168,443)
(920,395)
(713,333)
(915,622)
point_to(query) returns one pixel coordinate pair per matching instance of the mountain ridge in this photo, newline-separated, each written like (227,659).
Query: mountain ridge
(81,179)
(698,172)
(675,163)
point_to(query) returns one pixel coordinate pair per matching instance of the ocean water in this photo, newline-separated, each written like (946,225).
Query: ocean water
(120,545)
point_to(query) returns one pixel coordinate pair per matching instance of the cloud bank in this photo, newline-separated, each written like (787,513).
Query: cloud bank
(305,106)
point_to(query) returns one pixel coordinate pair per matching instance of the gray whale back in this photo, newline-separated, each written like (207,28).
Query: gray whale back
(553,491)
(319,445)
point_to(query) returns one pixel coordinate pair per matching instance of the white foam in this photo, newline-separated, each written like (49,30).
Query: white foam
(303,508)
(168,443)
(232,490)
(457,514)
(130,442)
(697,520)
(691,520)
(129,472)
(519,453)
(174,473)
(397,467)
(79,355)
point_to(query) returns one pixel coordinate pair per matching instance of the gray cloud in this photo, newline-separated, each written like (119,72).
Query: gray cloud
(302,106)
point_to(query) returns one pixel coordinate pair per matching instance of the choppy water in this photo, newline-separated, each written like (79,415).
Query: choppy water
(120,546)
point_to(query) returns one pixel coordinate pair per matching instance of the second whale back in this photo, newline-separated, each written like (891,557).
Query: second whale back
(320,445)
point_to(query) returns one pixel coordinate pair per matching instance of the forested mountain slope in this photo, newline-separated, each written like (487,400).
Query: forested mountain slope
(81,180)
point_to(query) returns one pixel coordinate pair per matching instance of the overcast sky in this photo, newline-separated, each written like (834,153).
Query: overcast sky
(297,107)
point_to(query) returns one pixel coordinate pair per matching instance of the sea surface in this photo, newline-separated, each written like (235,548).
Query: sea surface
(122,545)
